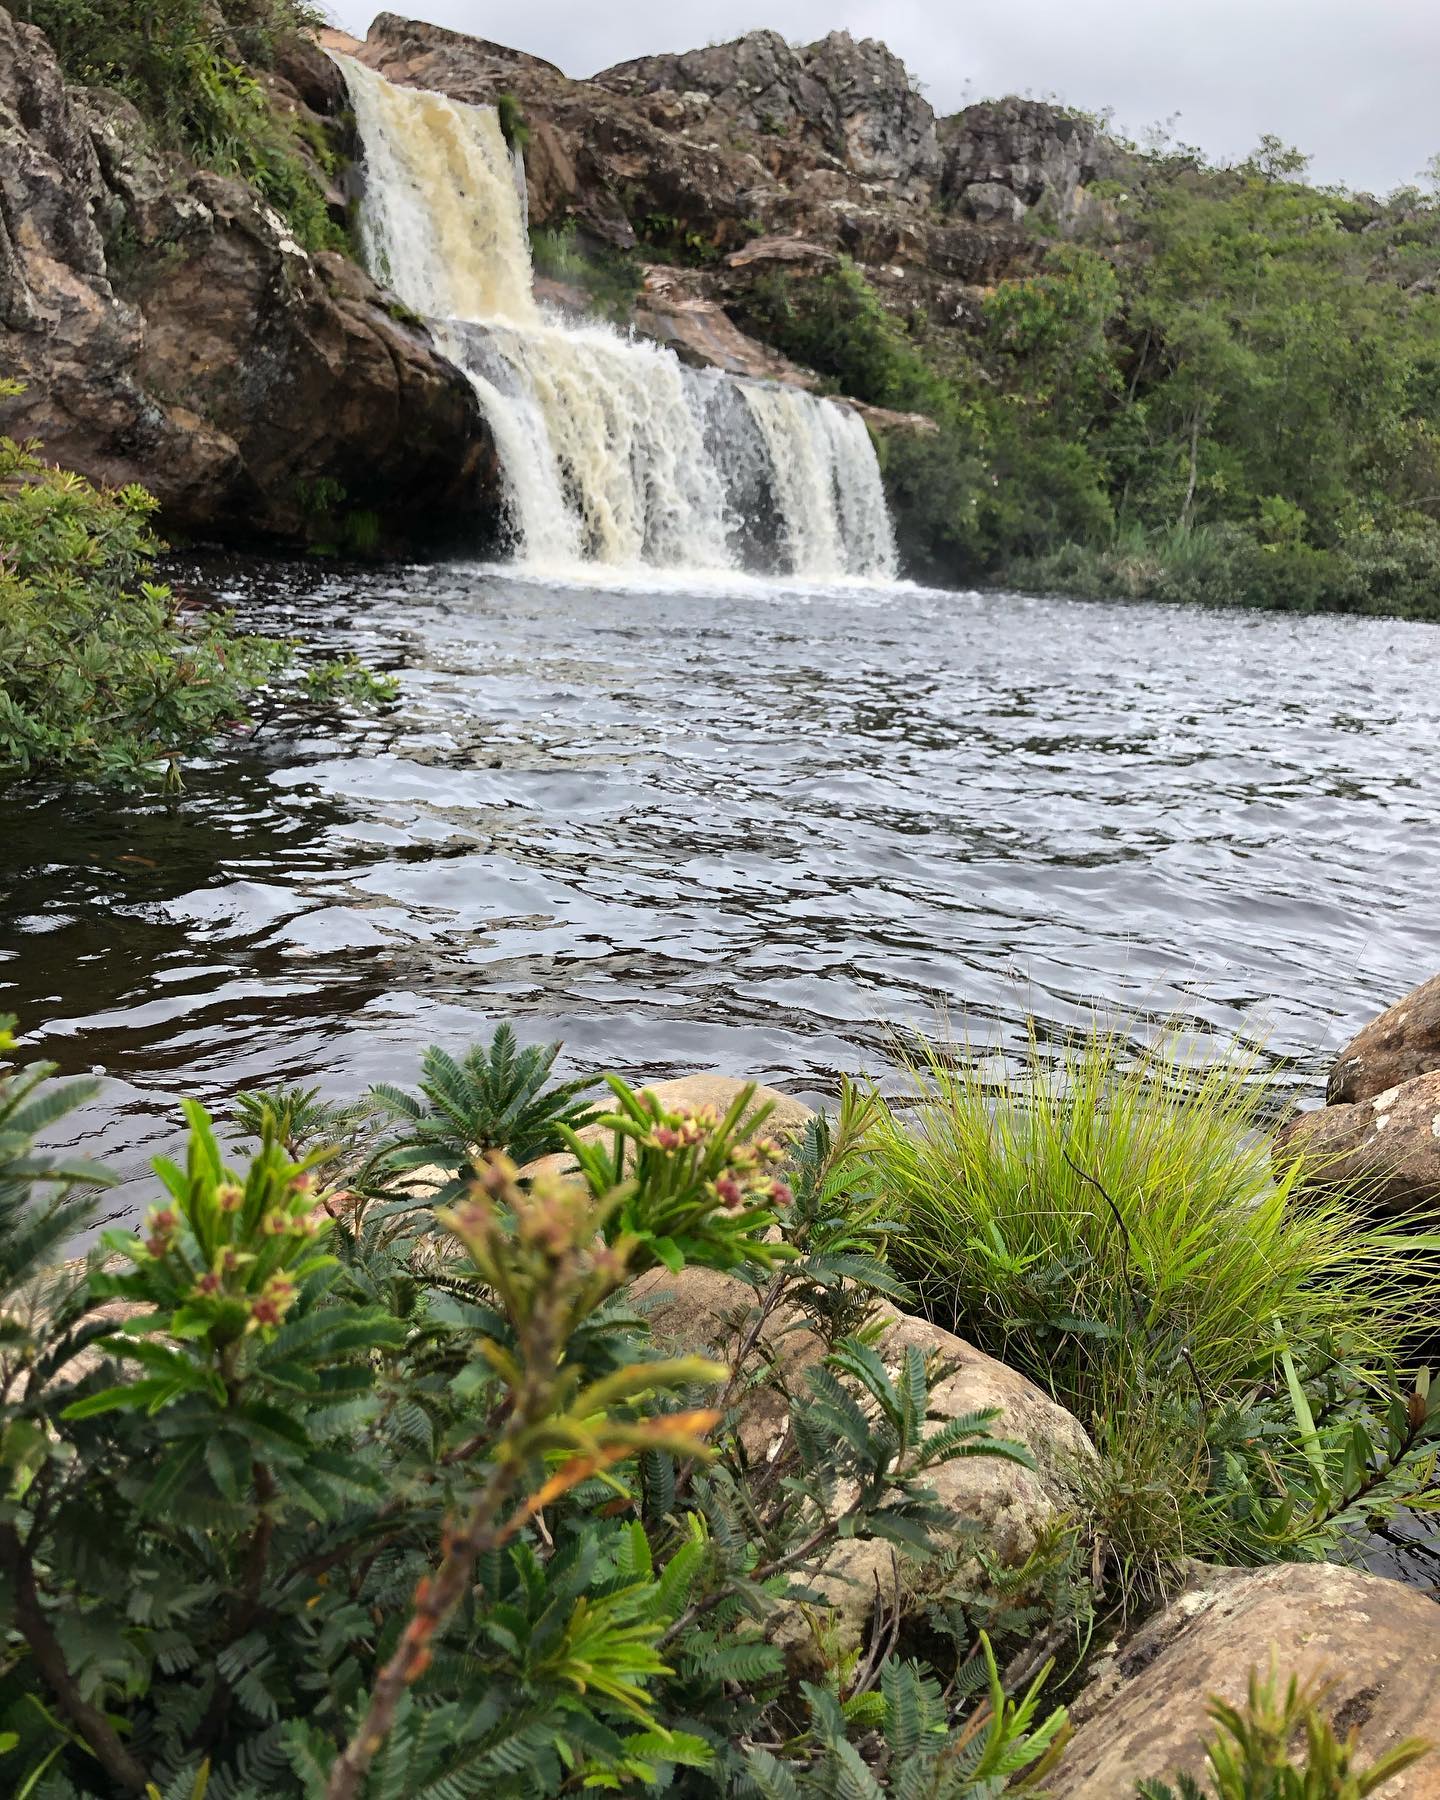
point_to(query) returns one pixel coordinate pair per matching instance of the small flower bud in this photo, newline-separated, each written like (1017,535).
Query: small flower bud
(228,1197)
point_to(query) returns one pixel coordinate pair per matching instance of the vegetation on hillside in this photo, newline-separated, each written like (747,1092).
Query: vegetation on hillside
(317,1487)
(1224,386)
(104,674)
(189,66)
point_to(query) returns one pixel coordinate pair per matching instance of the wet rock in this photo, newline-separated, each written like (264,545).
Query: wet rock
(170,331)
(1011,1506)
(1142,1716)
(1404,1041)
(1387,1147)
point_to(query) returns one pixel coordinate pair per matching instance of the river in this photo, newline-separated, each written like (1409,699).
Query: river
(739,826)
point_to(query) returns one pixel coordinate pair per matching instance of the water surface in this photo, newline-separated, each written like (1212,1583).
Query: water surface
(741,827)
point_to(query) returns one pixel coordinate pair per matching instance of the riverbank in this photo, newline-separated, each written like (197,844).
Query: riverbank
(1384,574)
(865,1419)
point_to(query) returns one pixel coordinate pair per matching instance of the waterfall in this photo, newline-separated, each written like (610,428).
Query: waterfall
(613,451)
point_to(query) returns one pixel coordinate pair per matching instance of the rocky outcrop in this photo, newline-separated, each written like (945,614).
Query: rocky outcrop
(1142,1717)
(170,330)
(1006,158)
(1380,1133)
(852,99)
(1009,1504)
(1404,1041)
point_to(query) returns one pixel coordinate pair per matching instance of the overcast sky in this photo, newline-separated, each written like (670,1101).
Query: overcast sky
(1353,82)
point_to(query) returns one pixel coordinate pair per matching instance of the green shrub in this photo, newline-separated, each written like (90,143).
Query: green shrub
(104,674)
(1394,573)
(513,128)
(183,64)
(354,1496)
(611,279)
(1110,1222)
(1255,1753)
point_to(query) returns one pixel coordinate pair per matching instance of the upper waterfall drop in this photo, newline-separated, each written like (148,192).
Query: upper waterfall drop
(613,451)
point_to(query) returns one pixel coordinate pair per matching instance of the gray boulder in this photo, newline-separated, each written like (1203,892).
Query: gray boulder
(1387,1147)
(1039,155)
(851,97)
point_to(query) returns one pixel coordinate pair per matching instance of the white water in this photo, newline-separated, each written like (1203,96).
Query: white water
(613,451)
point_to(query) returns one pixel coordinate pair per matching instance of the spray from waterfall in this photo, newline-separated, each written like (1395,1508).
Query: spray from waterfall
(612,450)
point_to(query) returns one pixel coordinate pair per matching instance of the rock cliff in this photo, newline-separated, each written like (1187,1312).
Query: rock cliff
(169,330)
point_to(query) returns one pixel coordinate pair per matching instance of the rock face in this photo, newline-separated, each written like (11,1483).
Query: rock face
(171,331)
(1005,158)
(853,100)
(1402,1043)
(700,1310)
(1387,1147)
(1142,1717)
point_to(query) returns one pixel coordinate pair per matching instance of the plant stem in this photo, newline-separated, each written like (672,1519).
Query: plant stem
(88,1720)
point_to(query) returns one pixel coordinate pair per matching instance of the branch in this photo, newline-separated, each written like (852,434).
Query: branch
(92,1725)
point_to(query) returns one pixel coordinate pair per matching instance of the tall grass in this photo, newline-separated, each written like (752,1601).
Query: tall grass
(1108,1221)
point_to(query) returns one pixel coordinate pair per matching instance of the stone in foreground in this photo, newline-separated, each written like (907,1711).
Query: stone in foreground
(1399,1045)
(1008,1505)
(1386,1148)
(1143,1716)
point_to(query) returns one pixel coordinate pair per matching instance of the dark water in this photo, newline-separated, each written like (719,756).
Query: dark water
(750,830)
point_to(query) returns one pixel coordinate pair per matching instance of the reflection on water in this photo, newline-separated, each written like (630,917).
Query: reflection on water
(743,828)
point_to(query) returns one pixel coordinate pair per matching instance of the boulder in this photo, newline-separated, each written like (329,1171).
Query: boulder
(1011,1506)
(851,98)
(1402,1043)
(1388,1147)
(1004,158)
(169,330)
(1142,1716)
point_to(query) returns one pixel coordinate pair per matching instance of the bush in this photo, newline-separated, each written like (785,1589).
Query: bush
(1393,573)
(1253,1755)
(354,1496)
(104,675)
(1108,1222)
(183,64)
(611,279)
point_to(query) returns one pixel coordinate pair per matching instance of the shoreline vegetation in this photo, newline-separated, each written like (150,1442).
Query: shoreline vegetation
(1167,380)
(542,1435)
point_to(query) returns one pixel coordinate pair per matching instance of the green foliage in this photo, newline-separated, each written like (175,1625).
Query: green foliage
(105,675)
(1109,1222)
(513,128)
(1224,356)
(1254,1754)
(611,279)
(102,673)
(323,1511)
(495,1098)
(1001,1746)
(184,65)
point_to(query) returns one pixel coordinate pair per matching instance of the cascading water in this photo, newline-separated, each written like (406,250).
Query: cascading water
(612,449)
